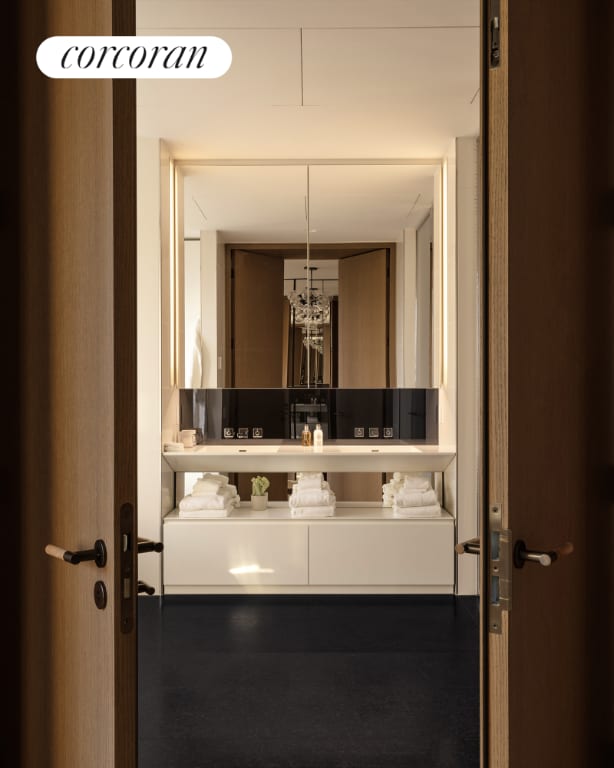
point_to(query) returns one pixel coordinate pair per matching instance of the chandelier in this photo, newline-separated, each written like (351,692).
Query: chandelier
(310,307)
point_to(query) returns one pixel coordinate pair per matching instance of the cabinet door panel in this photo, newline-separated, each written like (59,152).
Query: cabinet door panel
(229,554)
(364,554)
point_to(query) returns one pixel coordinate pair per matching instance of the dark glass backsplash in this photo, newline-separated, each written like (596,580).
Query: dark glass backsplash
(398,414)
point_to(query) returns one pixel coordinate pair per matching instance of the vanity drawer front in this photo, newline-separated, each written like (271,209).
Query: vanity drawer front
(419,553)
(204,553)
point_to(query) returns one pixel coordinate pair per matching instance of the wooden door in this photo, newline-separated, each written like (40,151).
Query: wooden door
(257,323)
(365,350)
(77,245)
(256,319)
(364,320)
(548,159)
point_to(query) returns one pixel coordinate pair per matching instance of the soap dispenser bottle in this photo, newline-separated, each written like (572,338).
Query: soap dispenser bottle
(318,437)
(306,435)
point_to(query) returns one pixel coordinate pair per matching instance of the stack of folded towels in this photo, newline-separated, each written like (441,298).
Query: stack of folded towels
(411,495)
(212,496)
(392,487)
(311,496)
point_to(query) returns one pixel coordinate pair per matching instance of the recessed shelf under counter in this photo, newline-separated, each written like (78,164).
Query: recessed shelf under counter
(280,456)
(278,510)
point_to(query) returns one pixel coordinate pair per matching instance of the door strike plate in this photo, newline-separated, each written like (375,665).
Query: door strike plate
(499,569)
(494,30)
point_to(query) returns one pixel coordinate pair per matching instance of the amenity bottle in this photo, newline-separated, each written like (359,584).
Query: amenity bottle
(306,435)
(318,438)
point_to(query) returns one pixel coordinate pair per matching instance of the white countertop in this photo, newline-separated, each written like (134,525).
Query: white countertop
(279,510)
(280,456)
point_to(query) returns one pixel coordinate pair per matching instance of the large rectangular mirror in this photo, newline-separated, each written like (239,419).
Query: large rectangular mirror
(258,239)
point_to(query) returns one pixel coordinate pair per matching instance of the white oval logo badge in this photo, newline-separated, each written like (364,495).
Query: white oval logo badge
(160,57)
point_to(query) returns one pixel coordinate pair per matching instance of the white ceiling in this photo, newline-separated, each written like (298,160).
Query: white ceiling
(315,80)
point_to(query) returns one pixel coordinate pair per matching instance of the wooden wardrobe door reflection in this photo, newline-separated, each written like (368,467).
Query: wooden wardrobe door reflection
(364,348)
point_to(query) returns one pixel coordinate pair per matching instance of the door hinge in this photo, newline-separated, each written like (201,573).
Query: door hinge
(499,568)
(494,34)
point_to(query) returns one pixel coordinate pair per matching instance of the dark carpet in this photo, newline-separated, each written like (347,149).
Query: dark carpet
(304,682)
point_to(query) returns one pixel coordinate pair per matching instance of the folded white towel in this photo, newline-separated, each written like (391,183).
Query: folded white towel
(408,498)
(297,487)
(312,498)
(203,513)
(417,481)
(209,500)
(430,510)
(310,480)
(319,511)
(209,482)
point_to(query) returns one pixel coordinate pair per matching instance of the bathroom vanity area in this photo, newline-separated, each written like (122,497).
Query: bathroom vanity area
(394,386)
(362,548)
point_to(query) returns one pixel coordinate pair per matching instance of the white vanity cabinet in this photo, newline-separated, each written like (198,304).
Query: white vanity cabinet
(361,549)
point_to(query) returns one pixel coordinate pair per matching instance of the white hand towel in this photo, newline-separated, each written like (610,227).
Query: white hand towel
(418,481)
(312,498)
(310,480)
(407,498)
(208,500)
(431,510)
(204,513)
(209,482)
(297,487)
(320,511)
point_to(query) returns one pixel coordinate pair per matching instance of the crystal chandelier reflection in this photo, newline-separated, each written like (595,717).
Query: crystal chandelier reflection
(311,308)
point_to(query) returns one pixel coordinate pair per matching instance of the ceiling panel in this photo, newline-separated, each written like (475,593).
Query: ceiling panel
(246,204)
(259,204)
(368,202)
(265,70)
(152,14)
(426,69)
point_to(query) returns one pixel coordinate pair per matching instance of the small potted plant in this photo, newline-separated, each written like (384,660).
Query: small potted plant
(260,497)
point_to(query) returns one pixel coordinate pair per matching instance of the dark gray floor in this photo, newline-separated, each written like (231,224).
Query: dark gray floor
(308,682)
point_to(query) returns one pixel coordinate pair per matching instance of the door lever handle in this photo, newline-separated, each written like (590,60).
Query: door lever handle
(145,545)
(523,555)
(143,587)
(470,547)
(98,554)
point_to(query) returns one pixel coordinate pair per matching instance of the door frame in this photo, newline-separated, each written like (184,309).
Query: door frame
(571,147)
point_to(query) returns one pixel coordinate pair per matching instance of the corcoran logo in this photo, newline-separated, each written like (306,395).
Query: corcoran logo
(139,57)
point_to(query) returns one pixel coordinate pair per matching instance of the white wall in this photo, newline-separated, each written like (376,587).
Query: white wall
(469,352)
(212,307)
(423,321)
(405,302)
(157,400)
(192,315)
(149,403)
(459,396)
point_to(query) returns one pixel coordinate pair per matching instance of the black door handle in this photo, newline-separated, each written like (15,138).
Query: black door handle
(98,554)
(146,545)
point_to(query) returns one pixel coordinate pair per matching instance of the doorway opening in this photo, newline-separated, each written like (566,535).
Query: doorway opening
(417,163)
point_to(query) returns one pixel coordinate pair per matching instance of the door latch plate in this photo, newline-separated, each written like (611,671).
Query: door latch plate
(499,568)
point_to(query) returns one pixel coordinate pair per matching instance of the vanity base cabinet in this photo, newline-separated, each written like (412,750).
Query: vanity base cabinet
(220,553)
(416,553)
(316,556)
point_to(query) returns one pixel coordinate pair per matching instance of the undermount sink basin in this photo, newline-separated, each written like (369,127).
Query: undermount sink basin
(350,449)
(236,449)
